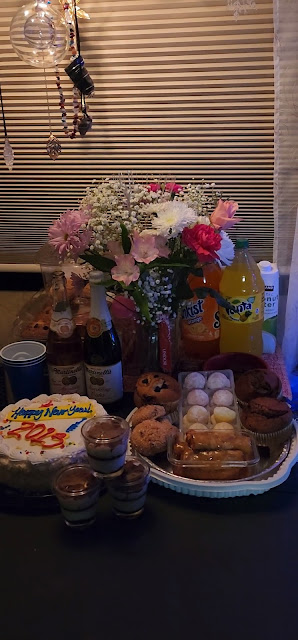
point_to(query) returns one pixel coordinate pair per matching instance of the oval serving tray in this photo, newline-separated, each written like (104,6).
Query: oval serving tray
(274,470)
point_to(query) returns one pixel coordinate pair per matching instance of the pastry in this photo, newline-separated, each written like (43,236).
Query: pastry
(157,388)
(223,414)
(223,398)
(223,426)
(218,380)
(196,413)
(266,416)
(150,437)
(194,380)
(257,383)
(147,412)
(210,440)
(197,396)
(199,426)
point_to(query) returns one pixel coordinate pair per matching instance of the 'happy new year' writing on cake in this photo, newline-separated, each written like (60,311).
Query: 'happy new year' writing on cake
(56,412)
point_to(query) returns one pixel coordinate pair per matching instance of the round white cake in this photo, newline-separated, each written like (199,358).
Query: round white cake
(39,436)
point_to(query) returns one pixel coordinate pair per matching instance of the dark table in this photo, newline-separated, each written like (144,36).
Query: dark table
(188,567)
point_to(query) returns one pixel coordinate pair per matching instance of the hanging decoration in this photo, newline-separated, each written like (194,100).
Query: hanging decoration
(241,6)
(53,146)
(8,153)
(80,12)
(38,35)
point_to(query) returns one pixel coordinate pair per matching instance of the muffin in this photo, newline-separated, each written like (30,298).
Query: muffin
(268,419)
(150,437)
(158,389)
(257,383)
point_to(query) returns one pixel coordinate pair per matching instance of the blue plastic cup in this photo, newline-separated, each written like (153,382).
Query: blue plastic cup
(24,364)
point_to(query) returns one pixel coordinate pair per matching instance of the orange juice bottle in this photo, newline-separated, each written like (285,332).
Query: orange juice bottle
(243,286)
(200,324)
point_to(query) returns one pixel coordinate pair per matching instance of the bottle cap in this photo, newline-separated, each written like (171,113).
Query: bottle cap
(241,244)
(96,277)
(265,265)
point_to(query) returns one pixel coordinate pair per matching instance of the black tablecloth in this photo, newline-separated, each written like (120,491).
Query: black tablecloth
(188,567)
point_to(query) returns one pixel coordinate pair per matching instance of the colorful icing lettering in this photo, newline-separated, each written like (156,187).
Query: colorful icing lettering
(37,435)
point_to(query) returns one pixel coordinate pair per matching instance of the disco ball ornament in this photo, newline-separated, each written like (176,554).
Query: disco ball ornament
(39,35)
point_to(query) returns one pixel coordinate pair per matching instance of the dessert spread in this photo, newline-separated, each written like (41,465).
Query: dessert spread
(39,436)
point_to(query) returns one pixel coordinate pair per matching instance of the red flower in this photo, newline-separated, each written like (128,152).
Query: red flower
(173,187)
(203,240)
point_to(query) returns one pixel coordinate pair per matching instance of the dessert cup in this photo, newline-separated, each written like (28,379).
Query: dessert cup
(77,490)
(106,440)
(129,490)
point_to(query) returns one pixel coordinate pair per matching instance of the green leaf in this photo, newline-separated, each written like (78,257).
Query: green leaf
(141,302)
(203,292)
(99,262)
(126,242)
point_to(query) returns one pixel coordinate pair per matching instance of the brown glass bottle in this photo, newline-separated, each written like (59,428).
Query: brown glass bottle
(64,345)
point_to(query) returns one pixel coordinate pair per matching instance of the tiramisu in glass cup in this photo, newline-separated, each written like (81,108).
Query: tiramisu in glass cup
(129,490)
(77,490)
(105,439)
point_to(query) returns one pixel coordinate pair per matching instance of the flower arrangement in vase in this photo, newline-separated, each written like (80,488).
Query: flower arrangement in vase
(148,239)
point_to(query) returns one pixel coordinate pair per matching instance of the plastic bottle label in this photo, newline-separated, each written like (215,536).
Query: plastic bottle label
(104,384)
(200,319)
(271,302)
(67,378)
(247,310)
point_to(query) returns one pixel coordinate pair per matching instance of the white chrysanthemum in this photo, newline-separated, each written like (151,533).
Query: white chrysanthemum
(226,251)
(172,217)
(203,220)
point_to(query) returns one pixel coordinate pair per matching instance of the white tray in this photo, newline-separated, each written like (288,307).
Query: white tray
(206,489)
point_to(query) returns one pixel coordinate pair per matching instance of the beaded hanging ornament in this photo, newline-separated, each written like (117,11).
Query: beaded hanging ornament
(8,153)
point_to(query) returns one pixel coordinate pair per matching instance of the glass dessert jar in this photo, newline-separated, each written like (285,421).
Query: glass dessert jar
(105,439)
(77,490)
(129,490)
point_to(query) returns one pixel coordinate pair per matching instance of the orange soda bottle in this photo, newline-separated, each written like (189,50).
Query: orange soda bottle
(243,286)
(200,324)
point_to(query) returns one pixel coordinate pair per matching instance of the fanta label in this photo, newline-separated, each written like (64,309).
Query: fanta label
(246,310)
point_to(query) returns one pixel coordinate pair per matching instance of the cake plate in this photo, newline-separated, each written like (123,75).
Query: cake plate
(275,470)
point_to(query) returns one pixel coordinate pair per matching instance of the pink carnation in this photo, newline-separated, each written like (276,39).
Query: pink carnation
(154,186)
(173,187)
(203,240)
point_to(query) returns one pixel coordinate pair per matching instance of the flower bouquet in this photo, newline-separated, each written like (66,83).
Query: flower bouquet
(147,239)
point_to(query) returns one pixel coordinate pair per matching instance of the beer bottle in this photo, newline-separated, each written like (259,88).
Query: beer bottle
(64,345)
(102,349)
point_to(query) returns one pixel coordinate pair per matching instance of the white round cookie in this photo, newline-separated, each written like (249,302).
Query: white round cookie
(194,380)
(197,413)
(218,380)
(198,396)
(223,398)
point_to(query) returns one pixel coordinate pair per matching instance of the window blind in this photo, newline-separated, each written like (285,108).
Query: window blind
(181,89)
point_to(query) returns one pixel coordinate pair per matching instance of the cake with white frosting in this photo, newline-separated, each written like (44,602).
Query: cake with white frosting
(39,436)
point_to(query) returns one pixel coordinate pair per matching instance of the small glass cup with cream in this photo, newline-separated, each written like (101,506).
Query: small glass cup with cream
(77,490)
(106,439)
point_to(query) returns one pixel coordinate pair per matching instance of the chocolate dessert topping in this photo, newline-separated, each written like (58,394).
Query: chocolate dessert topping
(132,471)
(105,429)
(76,480)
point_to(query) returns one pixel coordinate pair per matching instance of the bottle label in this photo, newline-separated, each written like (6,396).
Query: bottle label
(200,319)
(250,309)
(62,323)
(67,378)
(96,327)
(271,302)
(104,384)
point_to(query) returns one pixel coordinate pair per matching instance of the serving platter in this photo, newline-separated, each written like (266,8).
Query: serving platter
(273,470)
